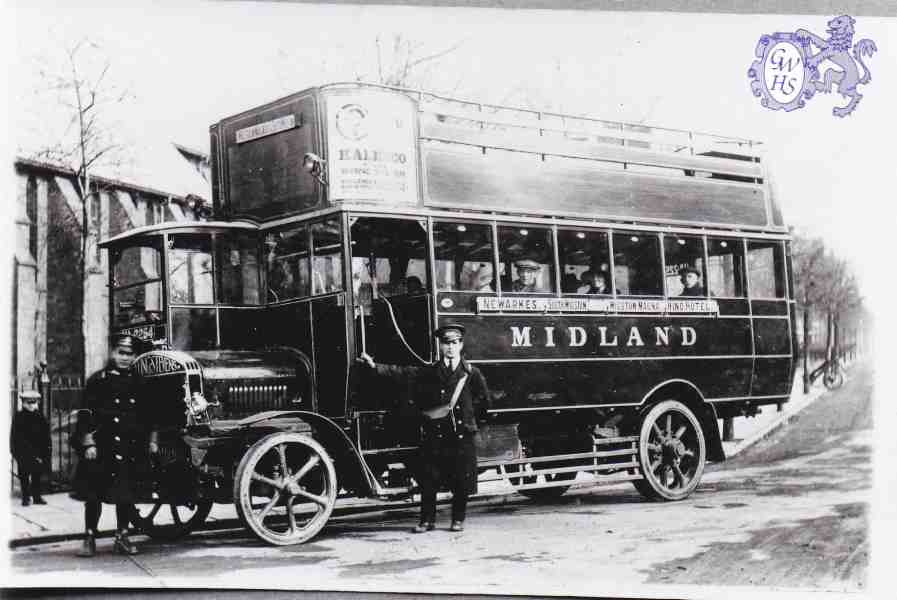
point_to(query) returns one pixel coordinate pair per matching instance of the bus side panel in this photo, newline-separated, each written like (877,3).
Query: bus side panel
(289,325)
(533,336)
(544,385)
(330,354)
(241,327)
(772,377)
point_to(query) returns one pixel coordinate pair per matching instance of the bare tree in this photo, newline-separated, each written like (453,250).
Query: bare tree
(824,283)
(808,259)
(81,86)
(403,62)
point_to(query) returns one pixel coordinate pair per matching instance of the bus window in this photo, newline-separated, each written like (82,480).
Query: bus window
(463,254)
(286,264)
(137,284)
(684,267)
(237,257)
(190,269)
(637,264)
(526,260)
(725,268)
(327,271)
(766,269)
(388,258)
(585,262)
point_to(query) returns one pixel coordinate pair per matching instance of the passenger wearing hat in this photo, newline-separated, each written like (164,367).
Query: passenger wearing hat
(691,282)
(595,283)
(113,446)
(527,270)
(452,398)
(29,443)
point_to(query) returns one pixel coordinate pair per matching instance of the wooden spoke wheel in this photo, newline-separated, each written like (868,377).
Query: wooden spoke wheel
(285,488)
(672,452)
(153,519)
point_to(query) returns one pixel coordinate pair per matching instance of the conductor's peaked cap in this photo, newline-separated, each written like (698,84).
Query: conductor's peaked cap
(123,341)
(449,332)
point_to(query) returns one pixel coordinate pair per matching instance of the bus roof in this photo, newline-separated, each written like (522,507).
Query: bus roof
(178,227)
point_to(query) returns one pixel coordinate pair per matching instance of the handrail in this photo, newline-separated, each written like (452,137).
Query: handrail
(420,95)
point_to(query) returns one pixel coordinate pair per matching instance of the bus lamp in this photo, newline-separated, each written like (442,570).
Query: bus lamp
(314,164)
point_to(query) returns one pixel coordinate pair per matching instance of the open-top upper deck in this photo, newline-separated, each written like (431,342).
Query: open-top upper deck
(400,148)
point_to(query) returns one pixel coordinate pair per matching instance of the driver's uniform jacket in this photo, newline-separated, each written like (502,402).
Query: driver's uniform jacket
(116,424)
(448,449)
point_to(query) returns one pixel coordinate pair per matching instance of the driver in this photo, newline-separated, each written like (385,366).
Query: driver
(113,446)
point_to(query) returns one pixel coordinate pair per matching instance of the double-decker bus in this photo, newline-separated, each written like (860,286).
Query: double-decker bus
(623,287)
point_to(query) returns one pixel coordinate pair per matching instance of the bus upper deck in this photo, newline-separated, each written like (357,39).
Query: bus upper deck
(403,149)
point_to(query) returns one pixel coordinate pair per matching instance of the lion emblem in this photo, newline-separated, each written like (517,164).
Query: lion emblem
(786,73)
(837,50)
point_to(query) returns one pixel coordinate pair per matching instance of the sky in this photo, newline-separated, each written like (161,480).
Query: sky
(189,65)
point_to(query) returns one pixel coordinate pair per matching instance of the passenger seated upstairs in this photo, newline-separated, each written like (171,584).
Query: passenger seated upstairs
(691,282)
(595,283)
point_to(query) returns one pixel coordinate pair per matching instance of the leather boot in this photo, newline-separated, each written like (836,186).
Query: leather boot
(423,528)
(123,545)
(88,546)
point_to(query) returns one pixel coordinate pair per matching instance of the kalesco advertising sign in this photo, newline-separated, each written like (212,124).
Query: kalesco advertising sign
(371,147)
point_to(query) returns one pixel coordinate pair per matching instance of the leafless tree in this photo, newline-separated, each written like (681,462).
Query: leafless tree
(808,260)
(83,92)
(824,283)
(404,62)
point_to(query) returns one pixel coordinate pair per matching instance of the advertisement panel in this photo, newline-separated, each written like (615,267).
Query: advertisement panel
(371,147)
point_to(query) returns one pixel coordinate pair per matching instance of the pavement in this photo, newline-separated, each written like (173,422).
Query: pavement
(62,518)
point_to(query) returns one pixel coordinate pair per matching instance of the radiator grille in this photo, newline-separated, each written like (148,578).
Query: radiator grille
(246,397)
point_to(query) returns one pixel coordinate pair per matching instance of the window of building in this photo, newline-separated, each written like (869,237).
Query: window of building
(31,213)
(526,259)
(766,269)
(389,258)
(237,257)
(464,254)
(725,267)
(286,263)
(684,265)
(585,262)
(327,270)
(637,264)
(190,269)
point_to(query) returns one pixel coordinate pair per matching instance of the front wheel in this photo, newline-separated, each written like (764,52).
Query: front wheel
(184,518)
(285,488)
(672,452)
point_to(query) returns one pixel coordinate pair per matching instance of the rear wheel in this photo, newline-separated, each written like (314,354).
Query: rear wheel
(833,379)
(285,488)
(672,452)
(153,519)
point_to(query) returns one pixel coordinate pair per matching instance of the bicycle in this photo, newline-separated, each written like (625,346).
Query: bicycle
(832,373)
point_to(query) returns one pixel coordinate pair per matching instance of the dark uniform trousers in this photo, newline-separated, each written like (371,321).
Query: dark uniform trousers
(448,448)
